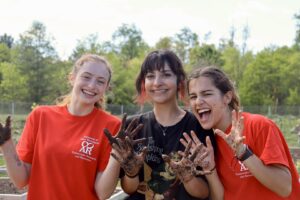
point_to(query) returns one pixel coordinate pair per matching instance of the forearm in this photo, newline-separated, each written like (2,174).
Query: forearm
(106,181)
(216,189)
(130,185)
(16,169)
(197,187)
(276,178)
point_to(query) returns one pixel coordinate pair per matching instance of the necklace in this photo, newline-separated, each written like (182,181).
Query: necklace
(163,129)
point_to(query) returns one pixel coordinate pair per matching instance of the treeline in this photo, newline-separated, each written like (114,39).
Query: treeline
(31,70)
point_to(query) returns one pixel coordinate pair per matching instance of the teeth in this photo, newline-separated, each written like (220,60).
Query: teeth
(203,110)
(89,93)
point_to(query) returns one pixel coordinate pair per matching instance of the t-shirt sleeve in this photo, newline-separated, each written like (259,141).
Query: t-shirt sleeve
(25,146)
(106,147)
(270,145)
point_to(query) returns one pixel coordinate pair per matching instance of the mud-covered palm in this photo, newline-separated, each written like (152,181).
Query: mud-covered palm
(201,155)
(5,131)
(130,160)
(123,146)
(235,138)
(185,168)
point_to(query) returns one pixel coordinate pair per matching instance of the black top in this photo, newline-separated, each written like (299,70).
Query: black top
(157,181)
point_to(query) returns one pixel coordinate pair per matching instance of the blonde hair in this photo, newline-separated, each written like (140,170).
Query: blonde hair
(66,99)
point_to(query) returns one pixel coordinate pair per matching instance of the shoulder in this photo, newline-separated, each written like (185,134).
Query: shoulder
(257,120)
(45,109)
(143,117)
(104,115)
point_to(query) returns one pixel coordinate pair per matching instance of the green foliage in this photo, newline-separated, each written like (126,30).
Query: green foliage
(7,39)
(205,55)
(184,41)
(129,42)
(123,83)
(89,44)
(164,43)
(36,60)
(13,84)
(4,53)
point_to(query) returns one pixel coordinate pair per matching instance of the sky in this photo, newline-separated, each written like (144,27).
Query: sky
(270,22)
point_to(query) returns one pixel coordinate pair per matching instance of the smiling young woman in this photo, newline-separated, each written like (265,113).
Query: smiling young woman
(63,152)
(252,159)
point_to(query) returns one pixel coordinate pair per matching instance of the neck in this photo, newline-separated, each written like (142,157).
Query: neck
(79,109)
(168,114)
(226,120)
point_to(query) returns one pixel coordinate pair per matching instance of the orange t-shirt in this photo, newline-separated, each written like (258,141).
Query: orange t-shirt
(267,142)
(65,152)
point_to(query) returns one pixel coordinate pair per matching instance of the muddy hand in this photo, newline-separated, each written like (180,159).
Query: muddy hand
(235,138)
(5,132)
(129,160)
(132,129)
(201,155)
(184,169)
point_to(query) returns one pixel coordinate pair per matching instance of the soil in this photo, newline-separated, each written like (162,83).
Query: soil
(7,187)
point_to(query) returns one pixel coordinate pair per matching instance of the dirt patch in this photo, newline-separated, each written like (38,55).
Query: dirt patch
(7,187)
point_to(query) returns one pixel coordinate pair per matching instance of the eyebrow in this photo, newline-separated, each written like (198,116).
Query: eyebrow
(98,77)
(203,91)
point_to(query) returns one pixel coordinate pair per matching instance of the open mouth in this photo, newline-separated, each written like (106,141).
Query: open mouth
(204,114)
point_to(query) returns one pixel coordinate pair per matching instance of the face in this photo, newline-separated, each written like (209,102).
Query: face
(161,86)
(90,83)
(208,104)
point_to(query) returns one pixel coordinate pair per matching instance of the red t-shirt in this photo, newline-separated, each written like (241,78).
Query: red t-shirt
(267,142)
(65,152)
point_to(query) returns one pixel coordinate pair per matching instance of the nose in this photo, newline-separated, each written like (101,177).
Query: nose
(199,100)
(157,80)
(92,83)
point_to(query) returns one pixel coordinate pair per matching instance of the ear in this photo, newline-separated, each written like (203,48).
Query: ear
(71,79)
(227,97)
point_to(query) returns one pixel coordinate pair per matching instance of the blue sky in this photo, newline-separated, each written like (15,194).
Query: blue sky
(270,22)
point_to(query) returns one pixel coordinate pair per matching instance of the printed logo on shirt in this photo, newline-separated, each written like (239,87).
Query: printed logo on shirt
(243,171)
(85,152)
(87,147)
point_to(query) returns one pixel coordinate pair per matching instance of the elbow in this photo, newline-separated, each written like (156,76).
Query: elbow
(286,191)
(20,185)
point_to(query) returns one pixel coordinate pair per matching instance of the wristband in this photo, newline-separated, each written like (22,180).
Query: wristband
(246,154)
(130,176)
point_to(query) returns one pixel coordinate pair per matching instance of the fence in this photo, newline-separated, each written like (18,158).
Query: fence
(21,108)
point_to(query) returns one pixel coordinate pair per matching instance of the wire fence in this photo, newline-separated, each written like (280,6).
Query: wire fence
(23,108)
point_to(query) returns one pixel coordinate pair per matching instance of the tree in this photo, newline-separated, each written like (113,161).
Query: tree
(89,44)
(36,58)
(164,43)
(7,39)
(4,53)
(123,80)
(297,38)
(12,83)
(264,82)
(129,41)
(185,40)
(205,55)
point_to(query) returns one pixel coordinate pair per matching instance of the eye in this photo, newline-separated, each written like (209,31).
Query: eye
(192,97)
(167,74)
(85,77)
(100,82)
(150,76)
